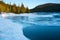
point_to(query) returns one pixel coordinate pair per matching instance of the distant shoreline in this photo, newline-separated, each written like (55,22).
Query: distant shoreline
(48,7)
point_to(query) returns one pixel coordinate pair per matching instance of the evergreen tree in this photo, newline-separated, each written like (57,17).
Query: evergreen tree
(27,10)
(10,7)
(23,9)
(14,8)
(18,10)
(7,9)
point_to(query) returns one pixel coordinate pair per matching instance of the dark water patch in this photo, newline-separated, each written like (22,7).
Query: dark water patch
(37,32)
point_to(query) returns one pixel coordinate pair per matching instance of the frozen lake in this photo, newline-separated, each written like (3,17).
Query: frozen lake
(29,26)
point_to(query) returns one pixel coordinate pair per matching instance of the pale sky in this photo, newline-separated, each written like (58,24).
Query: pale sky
(31,3)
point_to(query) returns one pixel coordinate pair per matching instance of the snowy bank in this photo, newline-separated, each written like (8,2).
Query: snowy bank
(10,30)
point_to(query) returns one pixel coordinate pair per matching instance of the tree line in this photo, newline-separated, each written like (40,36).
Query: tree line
(13,8)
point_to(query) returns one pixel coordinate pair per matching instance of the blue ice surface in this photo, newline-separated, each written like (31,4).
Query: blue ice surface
(11,27)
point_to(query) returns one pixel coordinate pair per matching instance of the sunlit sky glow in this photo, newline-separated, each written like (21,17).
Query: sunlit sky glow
(31,3)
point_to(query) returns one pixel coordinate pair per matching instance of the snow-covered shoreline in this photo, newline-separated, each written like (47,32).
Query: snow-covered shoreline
(10,30)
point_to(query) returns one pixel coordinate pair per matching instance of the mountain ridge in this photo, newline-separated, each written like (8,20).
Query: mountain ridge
(48,7)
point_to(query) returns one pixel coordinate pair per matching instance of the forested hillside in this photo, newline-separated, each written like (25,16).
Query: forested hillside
(13,8)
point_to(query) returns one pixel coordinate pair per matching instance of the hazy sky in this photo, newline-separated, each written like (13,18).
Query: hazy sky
(31,3)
